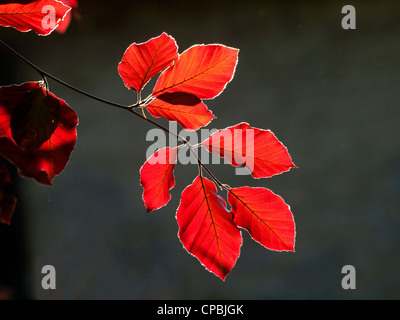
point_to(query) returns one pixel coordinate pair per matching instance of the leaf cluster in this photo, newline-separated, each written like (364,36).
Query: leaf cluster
(38,134)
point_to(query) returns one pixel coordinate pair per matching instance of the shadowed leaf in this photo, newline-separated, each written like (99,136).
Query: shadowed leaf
(8,200)
(34,118)
(45,162)
(179,98)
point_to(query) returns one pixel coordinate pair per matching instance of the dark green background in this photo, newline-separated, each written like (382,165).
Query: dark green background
(330,95)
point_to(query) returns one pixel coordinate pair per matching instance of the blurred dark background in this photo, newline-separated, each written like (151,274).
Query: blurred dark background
(330,95)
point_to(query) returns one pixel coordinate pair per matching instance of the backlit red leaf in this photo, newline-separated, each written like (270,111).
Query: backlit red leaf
(191,113)
(45,162)
(41,16)
(64,24)
(202,70)
(256,149)
(157,178)
(206,228)
(264,215)
(142,61)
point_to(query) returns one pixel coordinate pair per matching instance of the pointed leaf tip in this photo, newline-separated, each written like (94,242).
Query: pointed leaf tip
(180,107)
(206,229)
(143,61)
(202,70)
(265,216)
(41,16)
(256,149)
(157,178)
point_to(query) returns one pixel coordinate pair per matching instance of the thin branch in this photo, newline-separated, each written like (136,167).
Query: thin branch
(45,74)
(130,108)
(203,166)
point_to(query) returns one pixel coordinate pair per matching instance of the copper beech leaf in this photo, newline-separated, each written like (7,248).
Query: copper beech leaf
(186,109)
(264,215)
(206,228)
(41,16)
(143,61)
(34,118)
(256,149)
(47,161)
(64,23)
(157,178)
(202,70)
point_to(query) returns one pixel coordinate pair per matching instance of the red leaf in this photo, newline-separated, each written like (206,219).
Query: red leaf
(157,178)
(265,216)
(43,163)
(141,62)
(202,70)
(34,118)
(190,113)
(64,24)
(41,16)
(8,200)
(206,228)
(259,150)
